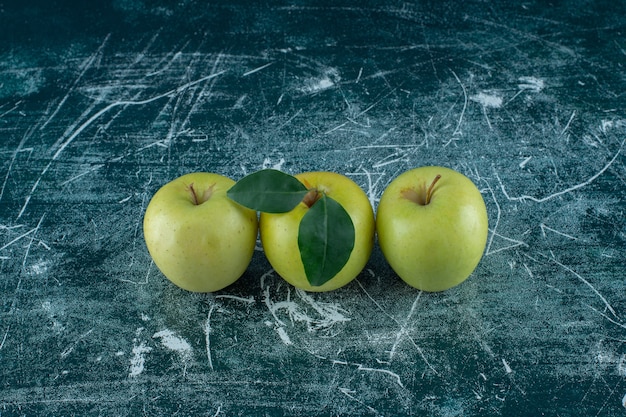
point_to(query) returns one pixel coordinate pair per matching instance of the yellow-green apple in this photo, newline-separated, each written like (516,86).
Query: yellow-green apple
(432,227)
(200,240)
(279,231)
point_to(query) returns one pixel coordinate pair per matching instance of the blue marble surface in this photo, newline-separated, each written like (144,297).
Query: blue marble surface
(102,104)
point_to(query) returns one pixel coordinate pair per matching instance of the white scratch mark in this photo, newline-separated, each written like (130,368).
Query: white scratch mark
(531,83)
(457,130)
(569,122)
(494,232)
(19,149)
(391,145)
(417,347)
(544,228)
(350,394)
(358,78)
(283,335)
(336,128)
(372,186)
(138,361)
(403,328)
(401,157)
(317,85)
(330,314)
(507,368)
(623,326)
(30,243)
(249,300)
(28,197)
(252,71)
(383,371)
(71,348)
(4,338)
(267,163)
(23,235)
(530,273)
(147,275)
(207,333)
(367,109)
(94,168)
(621,366)
(567,190)
(172,341)
(103,111)
(85,66)
(606,125)
(487,118)
(290,119)
(587,283)
(17,104)
(374,301)
(487,100)
(524,162)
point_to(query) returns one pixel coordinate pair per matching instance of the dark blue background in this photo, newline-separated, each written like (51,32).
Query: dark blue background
(101,104)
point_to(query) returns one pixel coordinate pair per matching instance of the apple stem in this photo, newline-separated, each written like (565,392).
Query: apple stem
(429,192)
(311,197)
(194,196)
(205,196)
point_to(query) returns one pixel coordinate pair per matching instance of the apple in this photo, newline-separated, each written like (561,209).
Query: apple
(279,231)
(432,227)
(198,238)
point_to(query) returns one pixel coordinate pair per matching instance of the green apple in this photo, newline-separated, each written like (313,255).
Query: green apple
(279,231)
(200,239)
(432,227)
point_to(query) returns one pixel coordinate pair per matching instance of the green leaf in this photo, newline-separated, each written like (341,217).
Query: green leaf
(268,190)
(325,240)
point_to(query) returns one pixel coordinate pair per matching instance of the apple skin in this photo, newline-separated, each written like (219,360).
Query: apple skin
(199,247)
(279,231)
(434,246)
